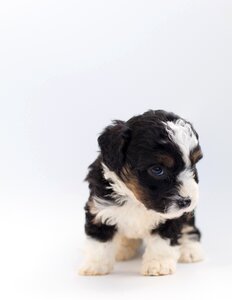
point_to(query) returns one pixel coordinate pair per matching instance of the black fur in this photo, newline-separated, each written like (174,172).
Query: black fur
(113,144)
(98,231)
(171,229)
(98,186)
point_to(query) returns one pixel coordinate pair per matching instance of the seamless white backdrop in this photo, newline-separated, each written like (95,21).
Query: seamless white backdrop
(67,68)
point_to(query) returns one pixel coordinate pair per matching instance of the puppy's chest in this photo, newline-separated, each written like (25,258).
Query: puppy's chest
(132,219)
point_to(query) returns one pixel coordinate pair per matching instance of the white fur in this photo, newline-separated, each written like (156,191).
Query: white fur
(99,257)
(188,188)
(182,134)
(174,211)
(190,250)
(121,191)
(133,219)
(159,257)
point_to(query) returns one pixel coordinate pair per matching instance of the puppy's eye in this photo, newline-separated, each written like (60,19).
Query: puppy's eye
(157,171)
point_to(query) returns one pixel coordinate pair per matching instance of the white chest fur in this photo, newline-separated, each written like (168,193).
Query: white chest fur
(132,218)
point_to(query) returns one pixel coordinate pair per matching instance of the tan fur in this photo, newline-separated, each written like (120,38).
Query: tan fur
(196,155)
(166,160)
(92,272)
(126,248)
(132,183)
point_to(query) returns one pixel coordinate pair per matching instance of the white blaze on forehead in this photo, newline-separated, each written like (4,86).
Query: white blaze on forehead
(181,133)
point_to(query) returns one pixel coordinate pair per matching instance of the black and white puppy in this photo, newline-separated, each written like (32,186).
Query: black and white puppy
(144,187)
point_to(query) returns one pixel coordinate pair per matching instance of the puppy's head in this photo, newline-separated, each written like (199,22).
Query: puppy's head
(154,156)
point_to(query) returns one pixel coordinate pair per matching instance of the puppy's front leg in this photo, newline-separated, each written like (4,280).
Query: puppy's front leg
(100,247)
(99,257)
(160,257)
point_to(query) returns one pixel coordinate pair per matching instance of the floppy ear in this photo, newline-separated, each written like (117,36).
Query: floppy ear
(113,143)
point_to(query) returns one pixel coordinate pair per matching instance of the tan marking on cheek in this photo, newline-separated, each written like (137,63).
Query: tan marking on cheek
(133,186)
(132,183)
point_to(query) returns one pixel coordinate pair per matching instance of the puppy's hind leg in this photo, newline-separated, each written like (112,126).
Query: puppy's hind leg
(126,248)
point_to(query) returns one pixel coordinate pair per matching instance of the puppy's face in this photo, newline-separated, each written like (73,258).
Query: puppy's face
(155,156)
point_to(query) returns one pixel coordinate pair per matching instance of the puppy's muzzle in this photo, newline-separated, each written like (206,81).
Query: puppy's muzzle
(183,202)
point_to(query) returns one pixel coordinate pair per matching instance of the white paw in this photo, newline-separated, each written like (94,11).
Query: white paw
(191,252)
(95,268)
(156,267)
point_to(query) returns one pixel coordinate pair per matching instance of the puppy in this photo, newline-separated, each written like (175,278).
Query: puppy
(143,187)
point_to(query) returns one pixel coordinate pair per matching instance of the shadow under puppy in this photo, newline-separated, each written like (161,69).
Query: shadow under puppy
(143,187)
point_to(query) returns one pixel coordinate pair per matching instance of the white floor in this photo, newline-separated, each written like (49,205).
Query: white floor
(42,241)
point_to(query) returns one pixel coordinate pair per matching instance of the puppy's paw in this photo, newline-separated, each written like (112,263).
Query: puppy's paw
(93,268)
(156,267)
(191,252)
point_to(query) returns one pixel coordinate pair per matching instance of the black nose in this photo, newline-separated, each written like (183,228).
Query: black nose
(183,202)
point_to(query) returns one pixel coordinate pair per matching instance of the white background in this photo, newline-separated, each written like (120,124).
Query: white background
(66,69)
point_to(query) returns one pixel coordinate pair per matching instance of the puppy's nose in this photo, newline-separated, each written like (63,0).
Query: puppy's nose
(184,202)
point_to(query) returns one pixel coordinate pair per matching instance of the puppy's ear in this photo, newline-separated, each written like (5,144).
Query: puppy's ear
(113,143)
